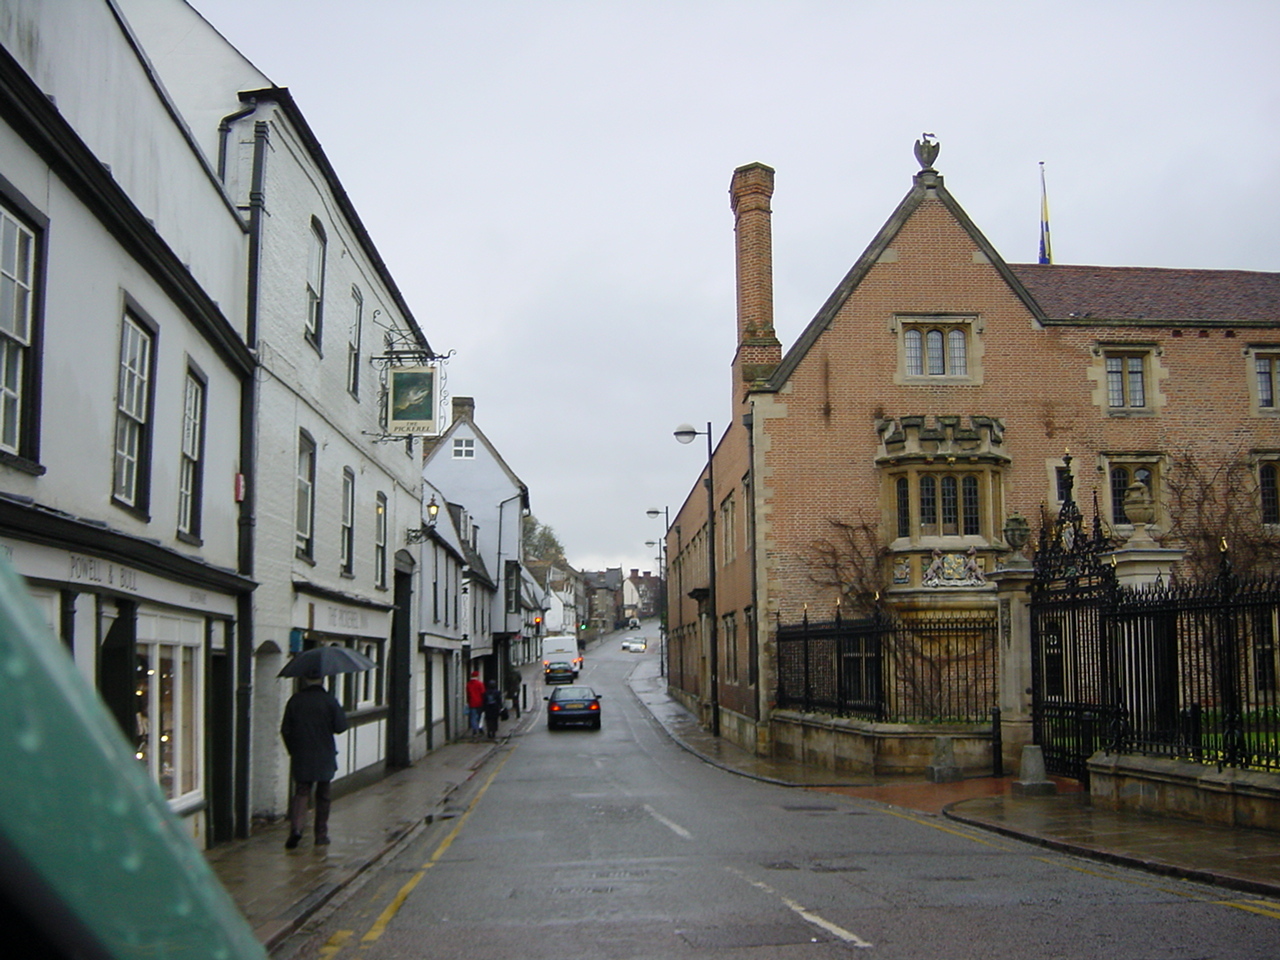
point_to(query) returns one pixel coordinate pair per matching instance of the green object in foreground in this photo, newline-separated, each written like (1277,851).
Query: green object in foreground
(89,850)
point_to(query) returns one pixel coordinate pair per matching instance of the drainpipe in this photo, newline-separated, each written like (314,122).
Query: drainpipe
(748,421)
(248,458)
(224,130)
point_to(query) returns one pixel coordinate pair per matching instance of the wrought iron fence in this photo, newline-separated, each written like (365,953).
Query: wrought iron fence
(885,668)
(1196,672)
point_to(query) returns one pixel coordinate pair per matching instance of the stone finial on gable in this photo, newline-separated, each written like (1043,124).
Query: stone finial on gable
(927,148)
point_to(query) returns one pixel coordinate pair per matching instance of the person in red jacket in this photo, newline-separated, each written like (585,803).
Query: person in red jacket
(475,702)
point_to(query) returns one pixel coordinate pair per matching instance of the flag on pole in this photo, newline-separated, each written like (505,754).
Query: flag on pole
(1046,250)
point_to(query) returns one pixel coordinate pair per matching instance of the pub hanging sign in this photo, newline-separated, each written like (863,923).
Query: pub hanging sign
(413,406)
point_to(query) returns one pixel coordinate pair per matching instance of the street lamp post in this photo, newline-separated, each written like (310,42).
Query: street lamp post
(685,434)
(663,558)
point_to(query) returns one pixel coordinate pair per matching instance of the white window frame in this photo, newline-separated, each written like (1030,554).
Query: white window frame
(380,541)
(17,305)
(191,458)
(353,341)
(315,283)
(305,498)
(133,413)
(464,448)
(347,539)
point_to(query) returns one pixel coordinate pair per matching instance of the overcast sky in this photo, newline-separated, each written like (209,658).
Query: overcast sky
(548,182)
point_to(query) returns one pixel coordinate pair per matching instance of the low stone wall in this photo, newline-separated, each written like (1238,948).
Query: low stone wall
(877,749)
(1191,791)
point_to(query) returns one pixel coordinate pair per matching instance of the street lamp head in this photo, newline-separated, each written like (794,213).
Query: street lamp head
(685,433)
(654,513)
(651,543)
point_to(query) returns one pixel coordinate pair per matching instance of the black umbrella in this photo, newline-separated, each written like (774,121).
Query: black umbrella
(324,661)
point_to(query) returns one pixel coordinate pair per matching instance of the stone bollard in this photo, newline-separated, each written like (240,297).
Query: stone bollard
(943,769)
(1032,781)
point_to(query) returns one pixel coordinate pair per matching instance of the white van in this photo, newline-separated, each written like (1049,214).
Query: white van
(561,649)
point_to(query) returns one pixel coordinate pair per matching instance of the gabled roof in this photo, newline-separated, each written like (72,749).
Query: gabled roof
(440,445)
(926,184)
(1152,295)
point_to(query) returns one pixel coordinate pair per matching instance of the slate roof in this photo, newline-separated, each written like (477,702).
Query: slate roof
(1152,294)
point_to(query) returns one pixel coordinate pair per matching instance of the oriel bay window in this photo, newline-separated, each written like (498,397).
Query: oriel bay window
(944,502)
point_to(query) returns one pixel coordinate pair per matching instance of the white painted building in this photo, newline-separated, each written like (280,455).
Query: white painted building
(334,497)
(126,374)
(467,468)
(447,614)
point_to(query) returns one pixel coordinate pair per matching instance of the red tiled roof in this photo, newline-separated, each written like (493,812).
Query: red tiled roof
(1067,292)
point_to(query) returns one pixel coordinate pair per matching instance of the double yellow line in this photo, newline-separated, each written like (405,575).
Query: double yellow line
(343,937)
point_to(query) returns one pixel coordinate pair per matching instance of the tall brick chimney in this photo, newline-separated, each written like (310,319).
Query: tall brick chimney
(464,407)
(759,351)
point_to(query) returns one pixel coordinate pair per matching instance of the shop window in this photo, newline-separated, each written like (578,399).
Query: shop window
(167,728)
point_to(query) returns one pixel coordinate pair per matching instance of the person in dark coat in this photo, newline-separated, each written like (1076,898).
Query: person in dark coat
(492,708)
(311,718)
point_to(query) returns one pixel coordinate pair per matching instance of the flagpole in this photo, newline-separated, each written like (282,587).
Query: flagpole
(1046,250)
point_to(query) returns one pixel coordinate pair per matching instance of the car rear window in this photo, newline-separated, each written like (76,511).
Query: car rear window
(574,693)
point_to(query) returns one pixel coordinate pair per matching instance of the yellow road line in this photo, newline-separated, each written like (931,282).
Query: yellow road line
(335,943)
(380,925)
(950,830)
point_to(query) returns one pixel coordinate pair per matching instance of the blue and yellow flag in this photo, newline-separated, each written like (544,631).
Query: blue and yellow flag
(1046,250)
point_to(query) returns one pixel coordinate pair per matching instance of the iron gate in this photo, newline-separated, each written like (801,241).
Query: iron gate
(1071,666)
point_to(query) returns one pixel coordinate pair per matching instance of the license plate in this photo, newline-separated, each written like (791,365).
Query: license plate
(574,706)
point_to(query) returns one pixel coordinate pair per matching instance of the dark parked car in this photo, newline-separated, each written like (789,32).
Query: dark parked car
(573,705)
(559,673)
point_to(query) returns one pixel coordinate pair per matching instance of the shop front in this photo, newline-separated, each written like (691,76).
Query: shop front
(155,634)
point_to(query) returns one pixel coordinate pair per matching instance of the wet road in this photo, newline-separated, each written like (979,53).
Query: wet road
(618,844)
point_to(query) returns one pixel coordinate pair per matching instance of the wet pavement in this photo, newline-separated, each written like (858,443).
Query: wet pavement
(278,889)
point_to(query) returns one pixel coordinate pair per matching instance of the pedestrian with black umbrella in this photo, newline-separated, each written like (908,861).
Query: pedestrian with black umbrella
(311,719)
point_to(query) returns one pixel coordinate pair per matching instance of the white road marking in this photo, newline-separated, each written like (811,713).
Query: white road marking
(669,824)
(805,913)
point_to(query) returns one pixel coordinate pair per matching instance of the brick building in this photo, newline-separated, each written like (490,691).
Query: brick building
(932,397)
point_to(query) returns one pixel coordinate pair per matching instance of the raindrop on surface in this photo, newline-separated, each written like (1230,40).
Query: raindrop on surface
(29,739)
(16,665)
